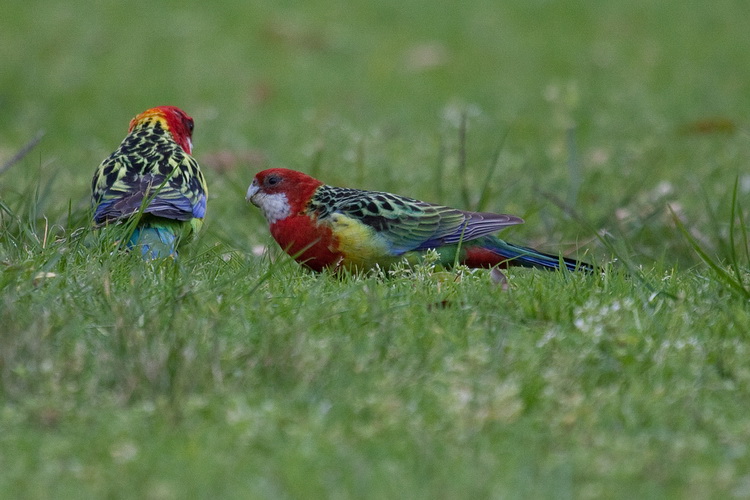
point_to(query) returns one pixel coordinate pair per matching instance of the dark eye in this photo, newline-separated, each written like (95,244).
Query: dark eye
(190,124)
(272,180)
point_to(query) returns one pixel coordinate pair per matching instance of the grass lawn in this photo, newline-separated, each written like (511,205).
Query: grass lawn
(617,130)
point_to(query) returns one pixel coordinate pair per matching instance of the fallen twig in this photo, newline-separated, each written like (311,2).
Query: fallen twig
(23,151)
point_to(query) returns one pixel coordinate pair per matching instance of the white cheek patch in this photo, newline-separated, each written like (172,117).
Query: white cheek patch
(275,207)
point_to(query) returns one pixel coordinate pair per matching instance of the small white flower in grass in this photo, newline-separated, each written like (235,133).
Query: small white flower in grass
(426,56)
(549,335)
(664,188)
(454,113)
(599,156)
(594,318)
(123,452)
(46,366)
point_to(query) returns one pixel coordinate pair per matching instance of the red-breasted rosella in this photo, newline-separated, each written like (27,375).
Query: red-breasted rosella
(152,170)
(323,226)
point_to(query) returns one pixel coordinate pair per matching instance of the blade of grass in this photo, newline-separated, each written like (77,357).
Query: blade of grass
(439,169)
(734,261)
(317,159)
(629,267)
(574,165)
(712,214)
(721,273)
(462,168)
(360,162)
(743,228)
(485,194)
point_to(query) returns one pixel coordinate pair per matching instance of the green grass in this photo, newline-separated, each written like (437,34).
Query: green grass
(616,129)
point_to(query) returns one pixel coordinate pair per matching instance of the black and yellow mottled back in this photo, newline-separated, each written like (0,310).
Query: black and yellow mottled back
(405,224)
(149,164)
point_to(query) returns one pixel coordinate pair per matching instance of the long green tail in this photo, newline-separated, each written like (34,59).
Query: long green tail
(516,255)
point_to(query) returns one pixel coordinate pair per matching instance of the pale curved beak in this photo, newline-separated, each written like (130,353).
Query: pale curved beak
(252,191)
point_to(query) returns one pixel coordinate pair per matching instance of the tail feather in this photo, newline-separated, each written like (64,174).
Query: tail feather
(154,242)
(516,255)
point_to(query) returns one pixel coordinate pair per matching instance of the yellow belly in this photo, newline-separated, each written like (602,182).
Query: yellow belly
(359,243)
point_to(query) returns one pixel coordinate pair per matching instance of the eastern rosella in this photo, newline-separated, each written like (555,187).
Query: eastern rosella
(323,226)
(152,170)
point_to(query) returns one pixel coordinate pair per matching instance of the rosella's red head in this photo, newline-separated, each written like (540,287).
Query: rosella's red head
(173,119)
(280,192)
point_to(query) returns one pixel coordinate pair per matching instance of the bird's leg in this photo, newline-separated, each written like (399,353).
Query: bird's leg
(498,277)
(339,266)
